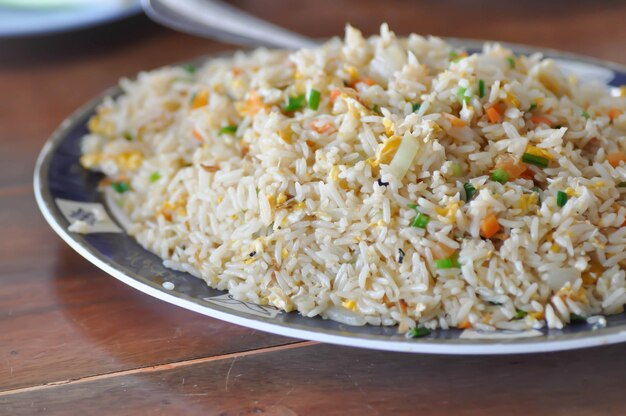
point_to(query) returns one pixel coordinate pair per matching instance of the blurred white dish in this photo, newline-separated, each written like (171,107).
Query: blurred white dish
(41,17)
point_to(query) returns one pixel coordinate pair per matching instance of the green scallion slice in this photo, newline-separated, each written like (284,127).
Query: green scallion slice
(416,106)
(532,107)
(232,129)
(469,191)
(449,263)
(376,109)
(420,220)
(120,187)
(128,136)
(155,177)
(574,318)
(500,175)
(456,169)
(418,332)
(585,114)
(314,99)
(561,198)
(520,314)
(531,159)
(621,185)
(411,205)
(294,103)
(190,68)
(481,88)
(460,95)
(511,61)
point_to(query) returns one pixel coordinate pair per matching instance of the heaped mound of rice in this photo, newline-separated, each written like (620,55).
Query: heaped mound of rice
(382,181)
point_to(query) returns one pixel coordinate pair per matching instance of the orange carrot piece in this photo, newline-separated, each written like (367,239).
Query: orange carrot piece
(511,165)
(616,157)
(493,115)
(326,127)
(197,136)
(541,119)
(454,120)
(333,95)
(614,113)
(465,324)
(489,226)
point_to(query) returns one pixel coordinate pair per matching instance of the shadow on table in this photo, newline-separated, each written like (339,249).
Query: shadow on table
(32,51)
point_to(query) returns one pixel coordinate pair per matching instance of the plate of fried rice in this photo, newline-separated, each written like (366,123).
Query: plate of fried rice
(411,193)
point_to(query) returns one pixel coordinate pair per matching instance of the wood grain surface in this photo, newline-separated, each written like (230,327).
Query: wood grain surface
(76,341)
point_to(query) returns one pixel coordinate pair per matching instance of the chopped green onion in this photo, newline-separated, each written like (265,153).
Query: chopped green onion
(561,198)
(416,106)
(531,159)
(294,103)
(232,129)
(412,206)
(460,95)
(449,263)
(453,55)
(314,99)
(420,220)
(120,187)
(532,107)
(520,314)
(621,185)
(481,88)
(585,114)
(376,109)
(128,136)
(511,61)
(191,68)
(469,191)
(155,177)
(576,318)
(418,332)
(495,303)
(456,169)
(500,175)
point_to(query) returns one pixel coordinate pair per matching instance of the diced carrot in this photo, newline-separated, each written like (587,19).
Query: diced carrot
(367,81)
(614,113)
(236,71)
(333,95)
(454,120)
(489,226)
(514,167)
(616,157)
(527,174)
(464,325)
(197,135)
(326,127)
(493,115)
(541,119)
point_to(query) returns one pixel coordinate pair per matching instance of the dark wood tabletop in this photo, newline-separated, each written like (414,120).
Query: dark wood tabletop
(74,340)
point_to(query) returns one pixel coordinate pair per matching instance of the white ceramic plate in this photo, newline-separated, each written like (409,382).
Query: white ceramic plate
(28,21)
(65,191)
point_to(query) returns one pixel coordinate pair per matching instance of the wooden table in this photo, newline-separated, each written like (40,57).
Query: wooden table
(76,341)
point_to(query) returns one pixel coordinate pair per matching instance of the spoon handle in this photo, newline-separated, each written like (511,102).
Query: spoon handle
(218,20)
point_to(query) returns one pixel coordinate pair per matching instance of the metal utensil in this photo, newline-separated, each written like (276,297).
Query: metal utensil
(218,20)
